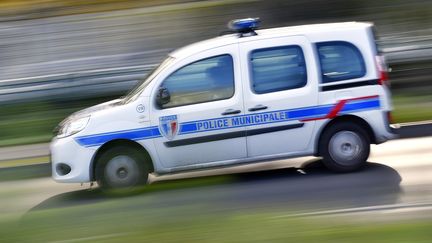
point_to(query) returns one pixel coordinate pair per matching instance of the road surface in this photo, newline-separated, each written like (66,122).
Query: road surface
(399,172)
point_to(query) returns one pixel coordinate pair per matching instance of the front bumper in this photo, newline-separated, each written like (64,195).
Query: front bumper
(70,162)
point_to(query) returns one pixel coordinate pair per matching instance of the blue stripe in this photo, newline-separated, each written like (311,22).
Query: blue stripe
(231,122)
(187,127)
(293,114)
(136,134)
(371,104)
(310,112)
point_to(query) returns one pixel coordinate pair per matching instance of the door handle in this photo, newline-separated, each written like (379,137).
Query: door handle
(258,108)
(230,112)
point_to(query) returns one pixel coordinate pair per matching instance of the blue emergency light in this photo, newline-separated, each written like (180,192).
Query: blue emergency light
(245,27)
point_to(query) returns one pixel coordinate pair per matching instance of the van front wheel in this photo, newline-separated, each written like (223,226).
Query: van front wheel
(345,147)
(121,168)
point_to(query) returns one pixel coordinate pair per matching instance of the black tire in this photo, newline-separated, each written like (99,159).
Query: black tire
(121,168)
(345,147)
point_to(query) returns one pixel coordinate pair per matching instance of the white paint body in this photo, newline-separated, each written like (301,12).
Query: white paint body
(301,141)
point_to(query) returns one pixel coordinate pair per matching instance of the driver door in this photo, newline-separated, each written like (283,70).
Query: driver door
(204,92)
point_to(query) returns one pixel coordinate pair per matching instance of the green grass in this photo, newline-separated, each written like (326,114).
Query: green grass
(29,123)
(25,161)
(411,108)
(127,220)
(160,214)
(151,216)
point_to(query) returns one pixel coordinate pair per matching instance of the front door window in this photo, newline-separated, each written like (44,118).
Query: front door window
(206,80)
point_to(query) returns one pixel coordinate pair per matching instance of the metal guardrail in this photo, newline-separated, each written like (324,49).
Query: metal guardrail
(116,81)
(67,85)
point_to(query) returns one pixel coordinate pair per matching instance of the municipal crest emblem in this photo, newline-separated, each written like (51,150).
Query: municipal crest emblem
(168,126)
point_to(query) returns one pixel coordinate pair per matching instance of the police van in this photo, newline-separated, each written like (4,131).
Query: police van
(249,96)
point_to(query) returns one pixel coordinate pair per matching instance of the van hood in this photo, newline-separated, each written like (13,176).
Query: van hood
(86,112)
(99,107)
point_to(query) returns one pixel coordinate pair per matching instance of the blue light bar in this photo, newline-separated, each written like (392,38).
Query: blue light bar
(244,26)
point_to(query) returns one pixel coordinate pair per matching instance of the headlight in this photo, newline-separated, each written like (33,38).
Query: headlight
(73,126)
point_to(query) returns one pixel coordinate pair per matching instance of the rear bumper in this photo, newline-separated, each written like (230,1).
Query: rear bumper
(394,129)
(391,128)
(388,131)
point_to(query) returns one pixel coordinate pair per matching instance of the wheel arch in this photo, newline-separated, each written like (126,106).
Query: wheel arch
(342,119)
(119,142)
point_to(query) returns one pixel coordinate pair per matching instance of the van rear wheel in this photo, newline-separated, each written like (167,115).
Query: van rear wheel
(345,147)
(122,168)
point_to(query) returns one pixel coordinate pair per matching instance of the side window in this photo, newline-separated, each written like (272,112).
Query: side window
(340,61)
(206,80)
(277,69)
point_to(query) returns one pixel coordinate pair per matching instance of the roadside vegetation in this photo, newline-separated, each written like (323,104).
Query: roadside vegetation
(34,122)
(410,108)
(127,220)
(90,216)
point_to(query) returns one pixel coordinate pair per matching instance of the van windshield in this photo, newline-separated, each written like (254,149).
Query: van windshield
(135,92)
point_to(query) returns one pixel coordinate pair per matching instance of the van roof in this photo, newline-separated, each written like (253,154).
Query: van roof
(269,33)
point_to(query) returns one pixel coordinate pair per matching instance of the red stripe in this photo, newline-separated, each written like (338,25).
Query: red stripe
(338,107)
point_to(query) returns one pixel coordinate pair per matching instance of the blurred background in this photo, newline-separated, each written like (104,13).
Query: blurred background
(59,56)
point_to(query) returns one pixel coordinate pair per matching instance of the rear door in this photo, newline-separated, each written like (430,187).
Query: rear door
(280,94)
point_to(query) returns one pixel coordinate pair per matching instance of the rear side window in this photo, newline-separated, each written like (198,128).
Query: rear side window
(340,61)
(277,69)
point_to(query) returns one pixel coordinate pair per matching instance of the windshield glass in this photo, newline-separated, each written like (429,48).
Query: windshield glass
(135,92)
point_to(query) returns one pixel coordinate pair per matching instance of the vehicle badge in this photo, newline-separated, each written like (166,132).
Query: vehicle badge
(168,126)
(140,108)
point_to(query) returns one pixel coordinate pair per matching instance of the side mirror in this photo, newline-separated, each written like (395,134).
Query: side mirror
(163,96)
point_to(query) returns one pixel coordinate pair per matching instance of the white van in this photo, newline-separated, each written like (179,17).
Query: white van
(246,97)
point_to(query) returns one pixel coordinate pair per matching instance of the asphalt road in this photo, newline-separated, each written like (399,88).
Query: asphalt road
(398,176)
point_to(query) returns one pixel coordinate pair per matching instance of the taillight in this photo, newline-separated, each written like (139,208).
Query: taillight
(382,70)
